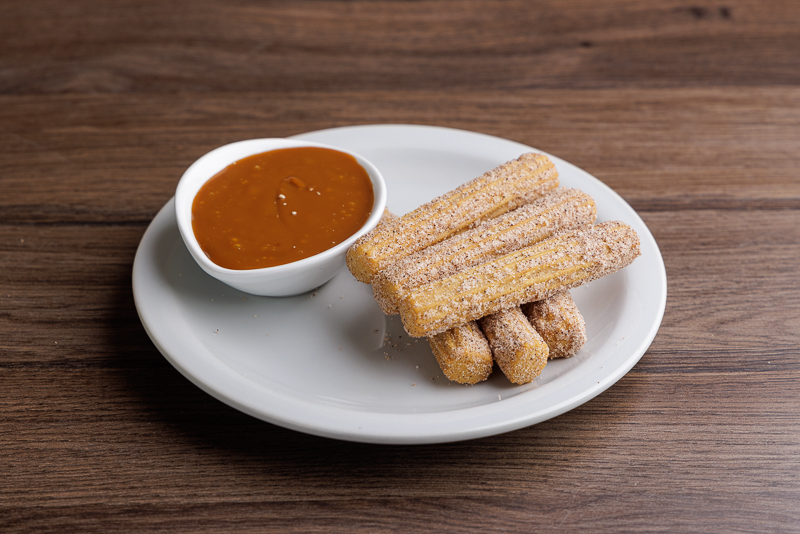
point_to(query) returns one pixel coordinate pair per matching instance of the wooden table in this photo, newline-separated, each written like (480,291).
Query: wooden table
(691,111)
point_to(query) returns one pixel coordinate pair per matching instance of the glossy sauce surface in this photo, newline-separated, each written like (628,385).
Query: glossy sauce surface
(281,206)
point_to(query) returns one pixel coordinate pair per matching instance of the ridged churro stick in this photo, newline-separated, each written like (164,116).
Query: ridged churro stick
(559,322)
(463,354)
(533,273)
(561,209)
(522,340)
(498,191)
(518,349)
(557,210)
(554,321)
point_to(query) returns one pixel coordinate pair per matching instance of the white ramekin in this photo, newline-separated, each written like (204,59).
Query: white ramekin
(282,280)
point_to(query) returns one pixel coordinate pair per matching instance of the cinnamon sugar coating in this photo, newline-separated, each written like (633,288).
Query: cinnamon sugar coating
(567,260)
(502,189)
(558,210)
(387,216)
(518,349)
(463,354)
(559,322)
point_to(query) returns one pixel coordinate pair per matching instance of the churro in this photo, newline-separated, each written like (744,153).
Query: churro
(564,261)
(559,322)
(500,190)
(518,349)
(559,210)
(387,216)
(463,354)
(519,340)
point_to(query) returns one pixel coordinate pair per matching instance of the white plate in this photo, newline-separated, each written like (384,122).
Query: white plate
(329,363)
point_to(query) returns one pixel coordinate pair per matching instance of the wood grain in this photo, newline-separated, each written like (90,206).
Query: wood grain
(84,47)
(690,111)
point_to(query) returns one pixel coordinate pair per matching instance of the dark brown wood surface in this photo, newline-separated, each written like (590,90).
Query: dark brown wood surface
(690,110)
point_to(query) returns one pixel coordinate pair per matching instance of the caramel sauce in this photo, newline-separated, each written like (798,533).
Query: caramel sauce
(281,206)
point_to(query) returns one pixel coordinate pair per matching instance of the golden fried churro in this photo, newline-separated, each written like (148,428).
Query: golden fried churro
(564,261)
(496,192)
(559,322)
(518,349)
(559,210)
(463,354)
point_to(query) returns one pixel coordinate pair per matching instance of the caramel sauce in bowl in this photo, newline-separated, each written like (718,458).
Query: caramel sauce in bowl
(275,217)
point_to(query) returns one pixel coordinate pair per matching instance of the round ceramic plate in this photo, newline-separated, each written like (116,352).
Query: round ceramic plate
(330,363)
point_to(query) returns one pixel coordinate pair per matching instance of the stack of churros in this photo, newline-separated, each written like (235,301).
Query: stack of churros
(484,271)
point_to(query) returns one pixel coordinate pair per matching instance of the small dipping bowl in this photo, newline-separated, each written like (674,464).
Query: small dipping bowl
(281,280)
